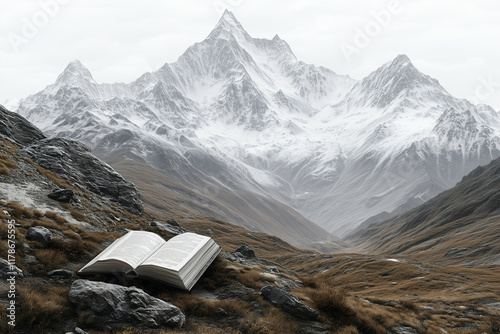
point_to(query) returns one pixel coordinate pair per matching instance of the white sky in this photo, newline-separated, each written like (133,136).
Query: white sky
(456,42)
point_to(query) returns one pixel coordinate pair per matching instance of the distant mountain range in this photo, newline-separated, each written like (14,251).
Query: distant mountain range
(256,137)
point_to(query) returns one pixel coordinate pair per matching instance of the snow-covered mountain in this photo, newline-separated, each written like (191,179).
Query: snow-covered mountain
(241,114)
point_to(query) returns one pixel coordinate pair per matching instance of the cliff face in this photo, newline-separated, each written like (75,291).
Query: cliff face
(69,160)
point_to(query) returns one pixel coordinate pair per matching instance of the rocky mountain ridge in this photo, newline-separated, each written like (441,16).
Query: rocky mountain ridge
(241,115)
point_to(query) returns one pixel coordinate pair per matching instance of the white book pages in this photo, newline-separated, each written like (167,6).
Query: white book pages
(133,248)
(176,252)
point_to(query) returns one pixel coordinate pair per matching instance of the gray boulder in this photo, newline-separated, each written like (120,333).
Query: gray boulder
(167,226)
(7,270)
(74,161)
(288,303)
(115,305)
(246,252)
(62,195)
(40,234)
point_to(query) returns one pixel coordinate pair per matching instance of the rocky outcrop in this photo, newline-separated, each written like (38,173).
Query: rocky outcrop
(114,305)
(17,129)
(7,269)
(74,161)
(171,226)
(245,252)
(62,195)
(71,160)
(40,234)
(288,303)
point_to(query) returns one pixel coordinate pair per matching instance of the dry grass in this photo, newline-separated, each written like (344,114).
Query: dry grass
(51,258)
(17,210)
(331,301)
(7,146)
(6,161)
(62,183)
(55,216)
(275,322)
(110,211)
(42,307)
(78,215)
(4,170)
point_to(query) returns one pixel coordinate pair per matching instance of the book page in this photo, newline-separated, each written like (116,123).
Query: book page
(177,251)
(132,248)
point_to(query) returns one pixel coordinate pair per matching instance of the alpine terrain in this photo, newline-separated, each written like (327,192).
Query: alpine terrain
(60,206)
(241,130)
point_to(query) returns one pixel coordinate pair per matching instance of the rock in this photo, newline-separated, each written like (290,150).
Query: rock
(288,302)
(78,330)
(7,270)
(63,273)
(115,305)
(174,229)
(402,330)
(17,129)
(62,195)
(272,269)
(173,222)
(246,252)
(73,161)
(40,234)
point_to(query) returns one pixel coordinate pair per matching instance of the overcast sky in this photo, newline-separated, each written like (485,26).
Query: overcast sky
(456,42)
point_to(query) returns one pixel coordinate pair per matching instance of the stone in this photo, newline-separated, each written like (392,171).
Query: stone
(288,302)
(402,330)
(73,160)
(7,270)
(115,305)
(62,195)
(40,234)
(78,330)
(246,252)
(272,269)
(63,273)
(166,226)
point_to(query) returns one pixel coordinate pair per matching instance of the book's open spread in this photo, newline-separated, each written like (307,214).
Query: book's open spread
(179,261)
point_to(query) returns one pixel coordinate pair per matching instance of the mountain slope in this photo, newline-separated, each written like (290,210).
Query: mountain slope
(241,114)
(459,225)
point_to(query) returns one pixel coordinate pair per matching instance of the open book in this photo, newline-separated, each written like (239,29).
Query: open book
(179,262)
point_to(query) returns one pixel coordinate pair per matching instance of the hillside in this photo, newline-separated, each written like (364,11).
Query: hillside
(460,225)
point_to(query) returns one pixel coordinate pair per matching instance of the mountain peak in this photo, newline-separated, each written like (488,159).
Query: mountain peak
(228,24)
(74,71)
(401,60)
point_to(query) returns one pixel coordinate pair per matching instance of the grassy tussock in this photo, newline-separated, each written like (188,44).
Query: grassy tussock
(18,211)
(51,258)
(275,322)
(6,161)
(6,165)
(43,306)
(78,215)
(331,301)
(55,216)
